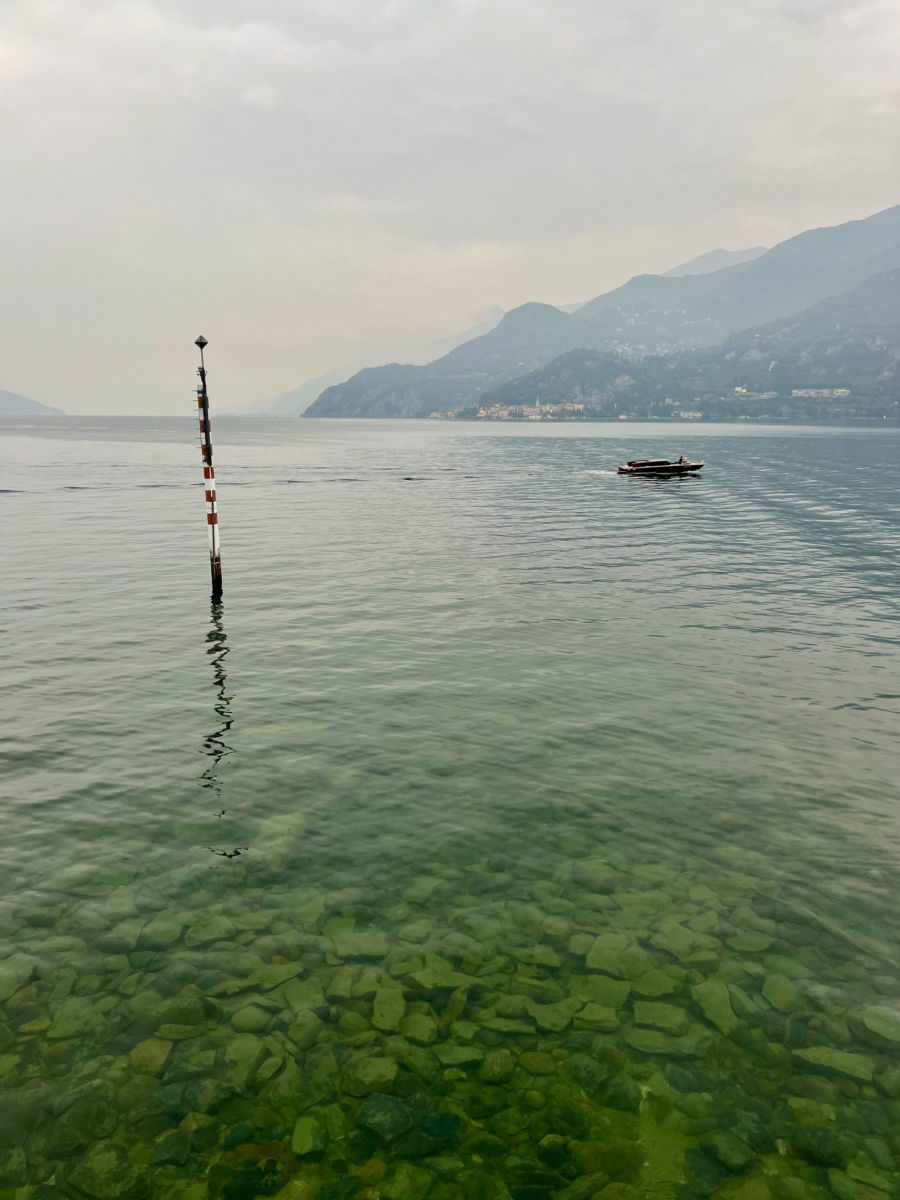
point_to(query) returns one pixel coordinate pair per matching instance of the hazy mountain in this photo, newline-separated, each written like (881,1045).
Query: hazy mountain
(658,313)
(487,320)
(14,405)
(847,343)
(524,339)
(715,260)
(651,314)
(296,401)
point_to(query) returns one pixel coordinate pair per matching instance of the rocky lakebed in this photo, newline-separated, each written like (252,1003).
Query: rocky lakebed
(611,1026)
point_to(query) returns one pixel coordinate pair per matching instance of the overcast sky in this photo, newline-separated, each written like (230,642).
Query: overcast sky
(311,181)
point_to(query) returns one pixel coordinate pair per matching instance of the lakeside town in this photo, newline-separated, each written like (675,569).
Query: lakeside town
(741,404)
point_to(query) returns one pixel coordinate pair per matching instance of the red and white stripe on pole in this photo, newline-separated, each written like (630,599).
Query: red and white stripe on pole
(209,475)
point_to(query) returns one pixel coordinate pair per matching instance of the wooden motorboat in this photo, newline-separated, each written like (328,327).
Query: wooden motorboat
(659,466)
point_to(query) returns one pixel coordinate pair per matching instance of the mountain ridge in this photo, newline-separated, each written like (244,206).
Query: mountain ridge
(843,352)
(649,314)
(714,260)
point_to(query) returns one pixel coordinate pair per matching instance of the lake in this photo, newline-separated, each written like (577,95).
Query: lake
(512,831)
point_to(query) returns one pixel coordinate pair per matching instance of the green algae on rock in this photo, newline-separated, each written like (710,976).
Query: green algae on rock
(713,997)
(666,1017)
(878,1025)
(307,1137)
(838,1062)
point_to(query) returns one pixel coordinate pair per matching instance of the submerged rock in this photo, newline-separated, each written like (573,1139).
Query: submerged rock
(387,1116)
(693,1044)
(172,1149)
(388,1008)
(536,1062)
(781,964)
(860,1170)
(406,1181)
(538,955)
(745,1005)
(122,938)
(340,986)
(250,1019)
(588,1072)
(13,1167)
(654,983)
(187,1009)
(76,1017)
(598,1017)
(617,1158)
(420,1028)
(90,1117)
(498,1066)
(553,1017)
(242,1055)
(369,944)
(750,941)
(823,1145)
(15,972)
(782,994)
(713,998)
(162,931)
(667,1017)
(308,1137)
(844,1187)
(278,839)
(731,1151)
(369,1075)
(613,954)
(704,1171)
(888,1082)
(553,1149)
(149,1057)
(620,1091)
(299,995)
(586,1187)
(212,927)
(105,1173)
(452,1055)
(594,874)
(838,1062)
(879,1025)
(272,975)
(580,944)
(437,976)
(601,989)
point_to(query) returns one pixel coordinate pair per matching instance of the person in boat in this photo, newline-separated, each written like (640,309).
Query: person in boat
(682,460)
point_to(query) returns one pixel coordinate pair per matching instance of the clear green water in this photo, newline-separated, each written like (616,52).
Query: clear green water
(566,807)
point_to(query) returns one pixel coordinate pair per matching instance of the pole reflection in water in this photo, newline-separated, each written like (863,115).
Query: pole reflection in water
(215,745)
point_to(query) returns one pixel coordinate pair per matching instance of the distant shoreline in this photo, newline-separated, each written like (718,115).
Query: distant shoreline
(859,423)
(862,423)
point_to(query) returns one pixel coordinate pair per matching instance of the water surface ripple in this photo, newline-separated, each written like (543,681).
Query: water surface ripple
(512,830)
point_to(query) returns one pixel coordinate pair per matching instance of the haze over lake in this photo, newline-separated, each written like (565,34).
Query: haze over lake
(508,828)
(513,828)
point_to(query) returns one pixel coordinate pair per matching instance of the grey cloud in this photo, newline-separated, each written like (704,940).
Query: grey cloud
(305,180)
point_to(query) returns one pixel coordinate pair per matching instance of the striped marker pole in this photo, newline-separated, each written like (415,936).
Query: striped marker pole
(209,476)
